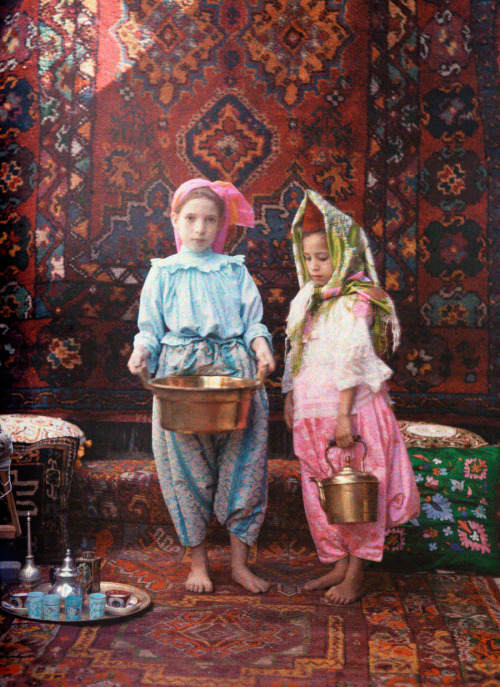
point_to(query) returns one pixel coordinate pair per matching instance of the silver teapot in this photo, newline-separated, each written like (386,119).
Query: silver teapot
(67,580)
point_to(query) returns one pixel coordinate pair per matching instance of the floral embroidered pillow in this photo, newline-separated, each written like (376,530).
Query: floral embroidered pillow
(456,528)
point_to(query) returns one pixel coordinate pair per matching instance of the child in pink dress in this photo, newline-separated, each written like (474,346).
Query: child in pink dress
(339,324)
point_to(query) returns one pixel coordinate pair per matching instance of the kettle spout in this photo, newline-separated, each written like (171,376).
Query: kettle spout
(321,492)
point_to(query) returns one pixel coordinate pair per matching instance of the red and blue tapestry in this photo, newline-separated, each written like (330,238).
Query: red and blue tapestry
(389,109)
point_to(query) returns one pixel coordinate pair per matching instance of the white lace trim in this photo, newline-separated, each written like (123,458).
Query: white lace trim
(212,263)
(339,347)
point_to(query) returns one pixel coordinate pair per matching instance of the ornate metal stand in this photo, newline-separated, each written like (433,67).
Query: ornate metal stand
(30,575)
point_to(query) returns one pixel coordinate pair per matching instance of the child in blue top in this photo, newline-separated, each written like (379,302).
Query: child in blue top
(200,314)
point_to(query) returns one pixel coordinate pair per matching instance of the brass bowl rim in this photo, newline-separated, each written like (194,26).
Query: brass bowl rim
(184,383)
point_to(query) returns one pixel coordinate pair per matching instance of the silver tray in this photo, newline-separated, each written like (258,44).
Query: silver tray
(143,601)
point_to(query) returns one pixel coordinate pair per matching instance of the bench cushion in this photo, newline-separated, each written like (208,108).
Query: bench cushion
(45,451)
(457,528)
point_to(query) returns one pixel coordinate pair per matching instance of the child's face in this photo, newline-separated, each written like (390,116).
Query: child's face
(317,258)
(197,222)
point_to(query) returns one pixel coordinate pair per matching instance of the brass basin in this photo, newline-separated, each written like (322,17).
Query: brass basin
(204,403)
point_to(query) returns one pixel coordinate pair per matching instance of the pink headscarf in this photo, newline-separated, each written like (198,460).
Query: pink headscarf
(237,210)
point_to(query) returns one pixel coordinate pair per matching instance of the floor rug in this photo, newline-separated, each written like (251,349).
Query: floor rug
(425,630)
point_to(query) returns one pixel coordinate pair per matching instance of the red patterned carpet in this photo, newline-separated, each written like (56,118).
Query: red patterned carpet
(415,630)
(390,109)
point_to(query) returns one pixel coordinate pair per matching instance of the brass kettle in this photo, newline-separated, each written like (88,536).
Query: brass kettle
(350,495)
(66,580)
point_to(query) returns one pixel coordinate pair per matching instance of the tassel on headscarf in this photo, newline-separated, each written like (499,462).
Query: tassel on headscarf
(353,272)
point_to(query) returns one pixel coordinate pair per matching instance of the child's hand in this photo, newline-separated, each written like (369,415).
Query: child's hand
(139,358)
(263,354)
(288,410)
(343,432)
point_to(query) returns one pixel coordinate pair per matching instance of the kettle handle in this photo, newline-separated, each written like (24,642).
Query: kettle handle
(357,440)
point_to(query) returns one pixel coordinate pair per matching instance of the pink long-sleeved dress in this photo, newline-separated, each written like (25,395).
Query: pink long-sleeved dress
(338,354)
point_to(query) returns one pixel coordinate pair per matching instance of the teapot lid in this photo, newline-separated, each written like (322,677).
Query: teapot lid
(350,475)
(68,565)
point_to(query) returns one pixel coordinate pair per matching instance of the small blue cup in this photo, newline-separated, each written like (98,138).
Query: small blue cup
(73,607)
(97,605)
(34,601)
(51,606)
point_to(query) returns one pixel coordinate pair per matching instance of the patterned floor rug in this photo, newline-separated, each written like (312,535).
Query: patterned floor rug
(425,630)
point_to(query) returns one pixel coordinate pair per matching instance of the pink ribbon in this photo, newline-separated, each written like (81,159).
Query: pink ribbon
(360,276)
(335,290)
(237,210)
(329,293)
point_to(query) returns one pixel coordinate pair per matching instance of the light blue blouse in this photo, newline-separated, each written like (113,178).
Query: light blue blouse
(192,295)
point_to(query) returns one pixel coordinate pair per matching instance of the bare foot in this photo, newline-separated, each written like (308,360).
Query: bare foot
(249,580)
(241,573)
(335,576)
(198,580)
(351,588)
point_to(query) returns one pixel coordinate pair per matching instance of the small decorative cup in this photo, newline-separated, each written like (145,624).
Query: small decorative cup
(73,607)
(97,605)
(117,598)
(51,606)
(34,602)
(89,566)
(18,598)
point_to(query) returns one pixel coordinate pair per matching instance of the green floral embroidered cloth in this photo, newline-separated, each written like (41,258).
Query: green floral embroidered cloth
(457,525)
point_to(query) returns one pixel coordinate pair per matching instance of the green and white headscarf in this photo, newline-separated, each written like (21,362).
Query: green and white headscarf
(353,272)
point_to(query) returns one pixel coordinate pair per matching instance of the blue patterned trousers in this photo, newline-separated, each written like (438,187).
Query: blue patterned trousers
(202,475)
